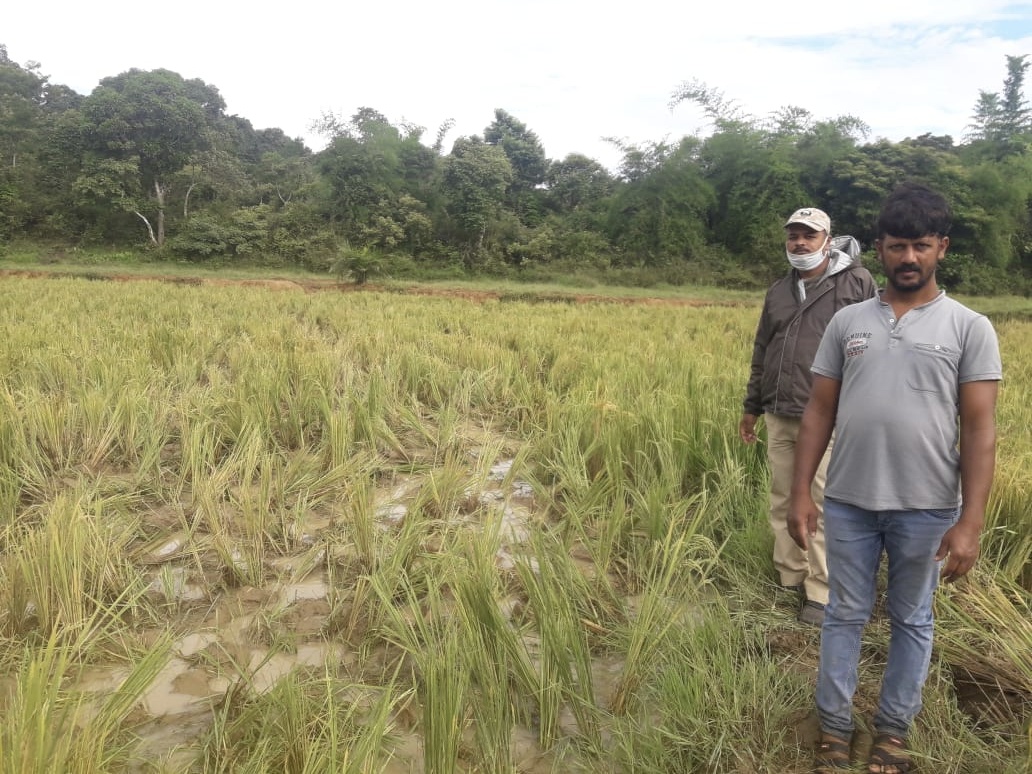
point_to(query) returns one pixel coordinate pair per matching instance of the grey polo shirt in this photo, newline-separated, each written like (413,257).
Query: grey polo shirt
(896,432)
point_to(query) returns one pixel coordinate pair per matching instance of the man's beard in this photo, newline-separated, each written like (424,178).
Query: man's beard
(923,279)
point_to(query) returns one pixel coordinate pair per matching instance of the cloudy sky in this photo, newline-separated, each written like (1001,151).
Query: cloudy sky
(573,71)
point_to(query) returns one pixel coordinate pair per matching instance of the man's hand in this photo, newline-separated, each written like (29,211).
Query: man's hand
(959,547)
(802,520)
(747,428)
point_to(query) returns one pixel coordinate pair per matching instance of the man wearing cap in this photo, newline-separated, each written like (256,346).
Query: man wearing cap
(824,276)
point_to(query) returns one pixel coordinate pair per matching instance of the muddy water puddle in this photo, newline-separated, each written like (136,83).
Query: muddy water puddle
(261,635)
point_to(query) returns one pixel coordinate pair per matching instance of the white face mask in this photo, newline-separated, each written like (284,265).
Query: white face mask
(807,262)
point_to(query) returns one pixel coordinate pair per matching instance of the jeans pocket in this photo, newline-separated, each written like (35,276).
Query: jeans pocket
(946,514)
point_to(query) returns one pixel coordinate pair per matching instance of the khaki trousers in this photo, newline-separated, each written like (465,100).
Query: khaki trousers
(795,566)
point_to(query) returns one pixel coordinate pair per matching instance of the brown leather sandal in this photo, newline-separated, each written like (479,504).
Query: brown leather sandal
(832,755)
(889,755)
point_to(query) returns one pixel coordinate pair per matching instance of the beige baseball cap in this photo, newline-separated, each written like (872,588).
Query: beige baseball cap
(816,219)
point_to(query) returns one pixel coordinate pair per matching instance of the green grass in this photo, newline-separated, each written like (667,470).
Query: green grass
(101,263)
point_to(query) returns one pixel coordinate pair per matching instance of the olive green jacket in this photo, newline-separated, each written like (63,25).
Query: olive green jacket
(790,330)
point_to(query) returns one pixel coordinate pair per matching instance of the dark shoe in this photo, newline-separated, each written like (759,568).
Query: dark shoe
(832,755)
(889,755)
(811,613)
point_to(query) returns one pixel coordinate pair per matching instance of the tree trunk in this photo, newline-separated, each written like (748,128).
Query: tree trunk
(159,193)
(186,201)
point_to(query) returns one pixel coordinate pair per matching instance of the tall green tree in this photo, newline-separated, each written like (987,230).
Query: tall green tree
(859,181)
(814,155)
(756,171)
(754,186)
(577,182)
(658,215)
(369,165)
(986,122)
(22,93)
(1015,113)
(23,124)
(1002,123)
(476,178)
(139,129)
(995,218)
(528,161)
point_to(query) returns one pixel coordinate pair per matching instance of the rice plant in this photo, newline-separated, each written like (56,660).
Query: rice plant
(173,457)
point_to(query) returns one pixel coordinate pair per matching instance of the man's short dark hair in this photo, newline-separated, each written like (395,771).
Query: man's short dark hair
(912,211)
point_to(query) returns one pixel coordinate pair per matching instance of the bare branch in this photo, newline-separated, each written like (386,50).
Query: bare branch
(150,231)
(721,111)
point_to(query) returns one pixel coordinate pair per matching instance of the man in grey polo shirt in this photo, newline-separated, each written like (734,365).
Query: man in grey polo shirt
(908,382)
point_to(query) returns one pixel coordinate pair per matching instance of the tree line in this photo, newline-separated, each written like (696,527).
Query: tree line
(151,159)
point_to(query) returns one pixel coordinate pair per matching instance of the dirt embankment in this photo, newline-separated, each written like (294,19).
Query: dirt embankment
(329,285)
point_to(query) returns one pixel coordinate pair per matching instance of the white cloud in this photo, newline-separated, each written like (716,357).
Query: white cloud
(573,71)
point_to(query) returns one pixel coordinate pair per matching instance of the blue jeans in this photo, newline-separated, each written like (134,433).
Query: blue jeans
(855,540)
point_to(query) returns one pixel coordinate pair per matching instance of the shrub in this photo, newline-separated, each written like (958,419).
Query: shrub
(360,264)
(961,272)
(201,237)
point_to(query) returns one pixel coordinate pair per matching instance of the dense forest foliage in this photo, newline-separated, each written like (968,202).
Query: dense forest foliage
(150,159)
